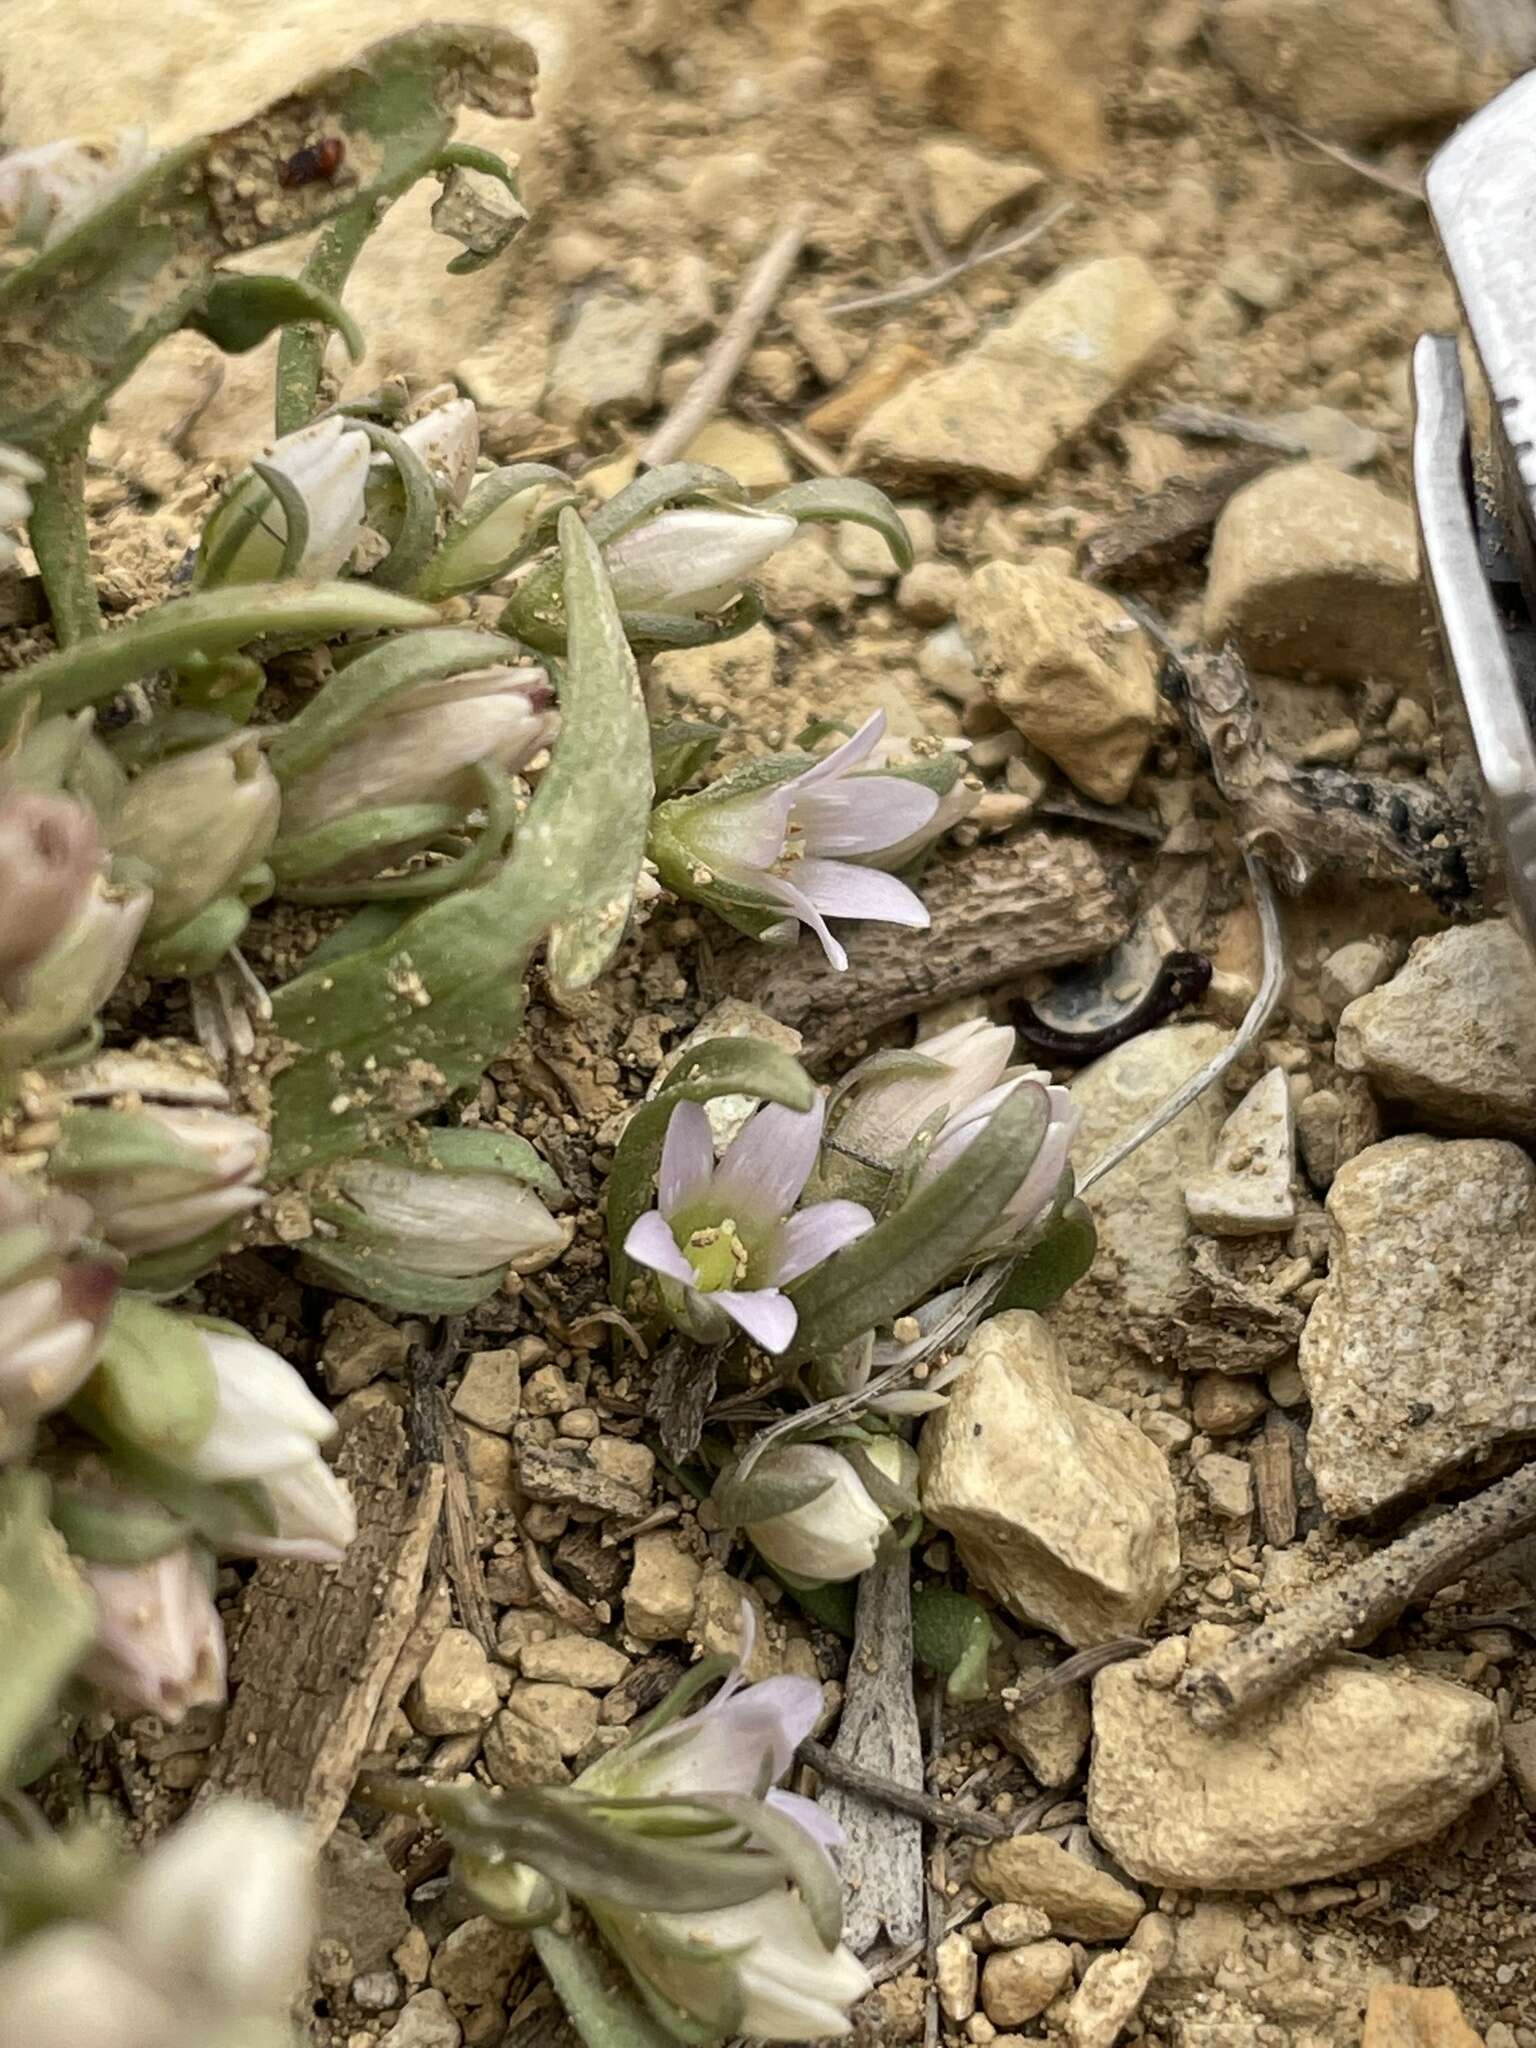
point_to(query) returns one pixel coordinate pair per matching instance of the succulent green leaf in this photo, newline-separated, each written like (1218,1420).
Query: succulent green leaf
(494,529)
(325,847)
(681,749)
(50,1617)
(668,485)
(954,1635)
(602,2005)
(907,1254)
(1056,1261)
(153,1389)
(720,1066)
(837,498)
(217,622)
(380,1277)
(238,313)
(763,1494)
(584,835)
(197,946)
(416,536)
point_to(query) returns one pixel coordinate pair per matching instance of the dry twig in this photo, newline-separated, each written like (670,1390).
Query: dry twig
(1355,1607)
(924,287)
(942,1814)
(700,402)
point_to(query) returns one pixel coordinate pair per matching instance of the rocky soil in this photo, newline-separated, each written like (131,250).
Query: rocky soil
(1313,1316)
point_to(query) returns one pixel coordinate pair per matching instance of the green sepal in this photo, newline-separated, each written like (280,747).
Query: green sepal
(97,1141)
(445,575)
(602,2004)
(218,1514)
(239,312)
(953,1635)
(679,865)
(838,498)
(378,1276)
(660,632)
(470,1150)
(762,1496)
(1056,1261)
(217,622)
(50,1617)
(362,690)
(153,1389)
(126,1532)
(390,828)
(163,1275)
(681,749)
(872,1281)
(197,946)
(720,1066)
(670,484)
(415,537)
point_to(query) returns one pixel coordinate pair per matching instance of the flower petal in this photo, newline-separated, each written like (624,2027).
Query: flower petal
(838,890)
(650,1242)
(796,901)
(767,1316)
(862,814)
(815,1234)
(807,1815)
(687,1158)
(769,1161)
(843,758)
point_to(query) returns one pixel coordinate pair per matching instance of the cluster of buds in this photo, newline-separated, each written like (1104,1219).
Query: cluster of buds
(200,1944)
(714,1888)
(54,1304)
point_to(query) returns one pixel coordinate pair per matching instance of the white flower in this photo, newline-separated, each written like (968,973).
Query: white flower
(722,1237)
(44,192)
(269,1428)
(327,463)
(220,1909)
(449,1224)
(424,744)
(1032,1198)
(448,441)
(72,980)
(159,1645)
(886,1111)
(692,559)
(53,1309)
(142,1208)
(832,1537)
(200,821)
(50,851)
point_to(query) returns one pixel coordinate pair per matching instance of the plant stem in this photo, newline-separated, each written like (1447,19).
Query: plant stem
(59,539)
(301,352)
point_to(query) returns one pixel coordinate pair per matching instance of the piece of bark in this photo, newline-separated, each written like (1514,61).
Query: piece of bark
(314,1650)
(569,1479)
(1177,511)
(997,914)
(683,1387)
(465,1570)
(1310,822)
(1355,1607)
(882,1862)
(1274,1481)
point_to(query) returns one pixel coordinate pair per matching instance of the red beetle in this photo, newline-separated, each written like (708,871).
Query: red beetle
(316,163)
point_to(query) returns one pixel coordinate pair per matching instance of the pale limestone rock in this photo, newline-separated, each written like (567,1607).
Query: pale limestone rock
(968,186)
(1017,1984)
(475,1962)
(518,1753)
(1139,1208)
(360,1902)
(574,1660)
(955,1972)
(491,1390)
(1107,2000)
(1352,971)
(1348,67)
(1333,1124)
(1420,1352)
(1224,1406)
(1060,1508)
(663,1586)
(1313,571)
(455,1693)
(929,592)
(805,577)
(717,678)
(1520,1755)
(998,412)
(1010,1926)
(1081,1901)
(425,2022)
(1350,1764)
(718,1626)
(1453,1033)
(566,1714)
(492,1469)
(608,362)
(1247,1191)
(1417,2016)
(753,455)
(359,1346)
(1226,1483)
(1068,665)
(1050,1733)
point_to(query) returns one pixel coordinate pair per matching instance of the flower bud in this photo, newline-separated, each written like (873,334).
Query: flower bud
(53,1306)
(159,1645)
(50,852)
(75,1986)
(246,538)
(692,559)
(448,441)
(44,192)
(200,821)
(488,535)
(891,1099)
(424,1237)
(423,746)
(834,1533)
(72,980)
(162,1179)
(16,472)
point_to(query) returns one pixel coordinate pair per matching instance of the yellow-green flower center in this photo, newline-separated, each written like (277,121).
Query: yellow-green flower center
(717,1255)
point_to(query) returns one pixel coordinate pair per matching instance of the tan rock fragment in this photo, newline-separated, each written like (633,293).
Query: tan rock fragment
(1032,1870)
(1417,2016)
(1060,1507)
(1017,1984)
